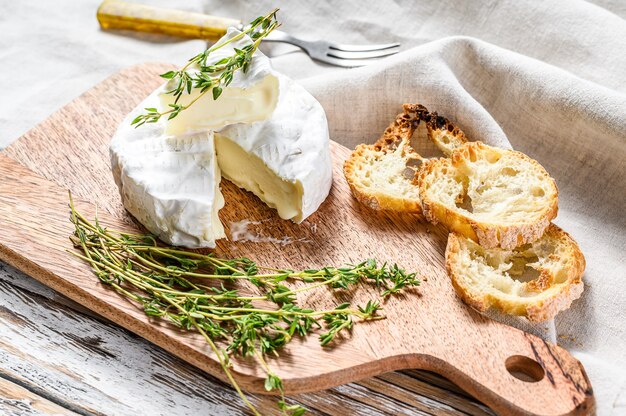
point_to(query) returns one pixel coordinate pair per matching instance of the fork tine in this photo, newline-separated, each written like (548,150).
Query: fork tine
(346,63)
(362,55)
(362,48)
(335,53)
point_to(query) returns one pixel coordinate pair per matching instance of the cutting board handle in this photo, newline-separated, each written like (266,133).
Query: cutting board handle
(520,375)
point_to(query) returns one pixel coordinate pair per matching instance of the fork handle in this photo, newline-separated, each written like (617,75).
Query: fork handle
(115,14)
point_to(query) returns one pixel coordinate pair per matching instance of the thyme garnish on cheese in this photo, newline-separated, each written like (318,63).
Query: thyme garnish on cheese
(197,74)
(239,307)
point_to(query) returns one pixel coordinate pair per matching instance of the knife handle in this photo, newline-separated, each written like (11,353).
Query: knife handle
(115,14)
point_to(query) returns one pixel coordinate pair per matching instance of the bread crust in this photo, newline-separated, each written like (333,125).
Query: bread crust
(441,131)
(488,235)
(535,310)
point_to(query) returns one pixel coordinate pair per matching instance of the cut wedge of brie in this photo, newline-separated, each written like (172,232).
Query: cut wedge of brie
(265,133)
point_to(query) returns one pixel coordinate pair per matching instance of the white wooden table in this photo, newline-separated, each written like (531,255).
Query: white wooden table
(56,357)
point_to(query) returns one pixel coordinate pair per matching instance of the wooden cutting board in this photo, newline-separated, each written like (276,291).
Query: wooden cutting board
(428,328)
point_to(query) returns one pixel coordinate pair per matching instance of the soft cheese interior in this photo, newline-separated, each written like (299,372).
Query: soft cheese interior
(265,133)
(288,164)
(236,165)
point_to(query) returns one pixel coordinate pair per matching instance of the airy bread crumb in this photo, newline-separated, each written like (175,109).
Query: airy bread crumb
(535,280)
(496,197)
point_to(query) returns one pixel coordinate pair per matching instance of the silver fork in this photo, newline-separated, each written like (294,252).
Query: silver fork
(338,54)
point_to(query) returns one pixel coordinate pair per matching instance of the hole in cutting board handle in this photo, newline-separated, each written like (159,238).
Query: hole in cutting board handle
(524,368)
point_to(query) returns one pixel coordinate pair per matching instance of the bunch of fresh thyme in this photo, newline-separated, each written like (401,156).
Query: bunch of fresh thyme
(199,292)
(198,74)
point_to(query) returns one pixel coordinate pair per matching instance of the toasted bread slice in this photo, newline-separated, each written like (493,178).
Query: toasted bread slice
(536,280)
(381,175)
(496,197)
(441,131)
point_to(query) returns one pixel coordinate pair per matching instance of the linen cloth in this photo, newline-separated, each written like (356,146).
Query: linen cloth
(547,78)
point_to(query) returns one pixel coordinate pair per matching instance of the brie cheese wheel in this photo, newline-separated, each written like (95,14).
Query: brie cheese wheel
(265,133)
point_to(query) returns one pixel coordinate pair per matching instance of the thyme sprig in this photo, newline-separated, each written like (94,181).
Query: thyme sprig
(239,307)
(198,74)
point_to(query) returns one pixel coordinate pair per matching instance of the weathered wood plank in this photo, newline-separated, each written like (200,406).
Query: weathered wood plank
(96,367)
(432,393)
(15,400)
(23,281)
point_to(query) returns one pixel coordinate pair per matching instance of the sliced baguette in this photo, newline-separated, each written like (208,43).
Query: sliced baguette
(496,197)
(381,175)
(535,280)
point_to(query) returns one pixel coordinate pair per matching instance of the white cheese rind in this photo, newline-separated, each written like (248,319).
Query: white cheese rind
(169,184)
